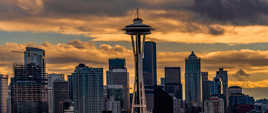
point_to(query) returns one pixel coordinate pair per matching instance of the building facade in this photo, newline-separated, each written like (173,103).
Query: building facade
(28,90)
(192,80)
(35,56)
(88,92)
(173,84)
(214,105)
(51,79)
(149,72)
(60,95)
(118,83)
(3,93)
(205,86)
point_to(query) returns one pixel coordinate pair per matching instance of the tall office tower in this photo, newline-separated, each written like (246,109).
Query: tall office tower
(192,80)
(35,56)
(150,64)
(60,95)
(28,92)
(9,109)
(214,105)
(70,87)
(173,84)
(3,93)
(88,92)
(205,86)
(163,101)
(149,72)
(118,83)
(51,79)
(222,81)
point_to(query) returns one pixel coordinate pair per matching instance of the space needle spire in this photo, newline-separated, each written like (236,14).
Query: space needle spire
(138,32)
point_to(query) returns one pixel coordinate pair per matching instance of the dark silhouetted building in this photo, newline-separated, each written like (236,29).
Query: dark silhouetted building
(237,99)
(205,86)
(173,84)
(192,80)
(60,95)
(149,72)
(163,102)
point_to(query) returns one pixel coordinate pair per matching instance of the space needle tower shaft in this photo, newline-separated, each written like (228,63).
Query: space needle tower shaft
(138,32)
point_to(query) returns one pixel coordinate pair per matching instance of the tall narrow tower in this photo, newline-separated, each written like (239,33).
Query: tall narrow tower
(138,32)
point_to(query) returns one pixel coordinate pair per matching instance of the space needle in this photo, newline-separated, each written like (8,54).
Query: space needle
(138,32)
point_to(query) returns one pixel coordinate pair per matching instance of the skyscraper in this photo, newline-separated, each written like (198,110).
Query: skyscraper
(222,81)
(173,84)
(60,95)
(88,92)
(29,90)
(150,64)
(51,79)
(205,86)
(3,93)
(35,56)
(149,72)
(192,80)
(118,83)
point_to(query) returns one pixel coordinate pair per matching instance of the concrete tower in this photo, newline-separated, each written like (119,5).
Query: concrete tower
(138,32)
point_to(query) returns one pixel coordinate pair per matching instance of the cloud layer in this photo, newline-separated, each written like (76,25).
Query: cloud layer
(63,57)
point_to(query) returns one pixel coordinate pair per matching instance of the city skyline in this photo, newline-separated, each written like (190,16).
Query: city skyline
(233,38)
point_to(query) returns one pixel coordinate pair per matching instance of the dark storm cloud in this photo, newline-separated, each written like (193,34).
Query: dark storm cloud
(240,12)
(196,16)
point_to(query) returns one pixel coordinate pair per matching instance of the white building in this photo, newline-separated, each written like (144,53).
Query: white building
(214,105)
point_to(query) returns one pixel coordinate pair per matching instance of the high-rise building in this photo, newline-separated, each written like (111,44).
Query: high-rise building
(205,86)
(117,63)
(60,95)
(88,92)
(3,93)
(28,91)
(173,84)
(192,80)
(149,72)
(150,64)
(51,79)
(35,56)
(70,87)
(118,83)
(214,105)
(221,81)
(29,87)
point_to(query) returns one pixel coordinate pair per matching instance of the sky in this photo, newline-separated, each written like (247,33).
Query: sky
(223,33)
